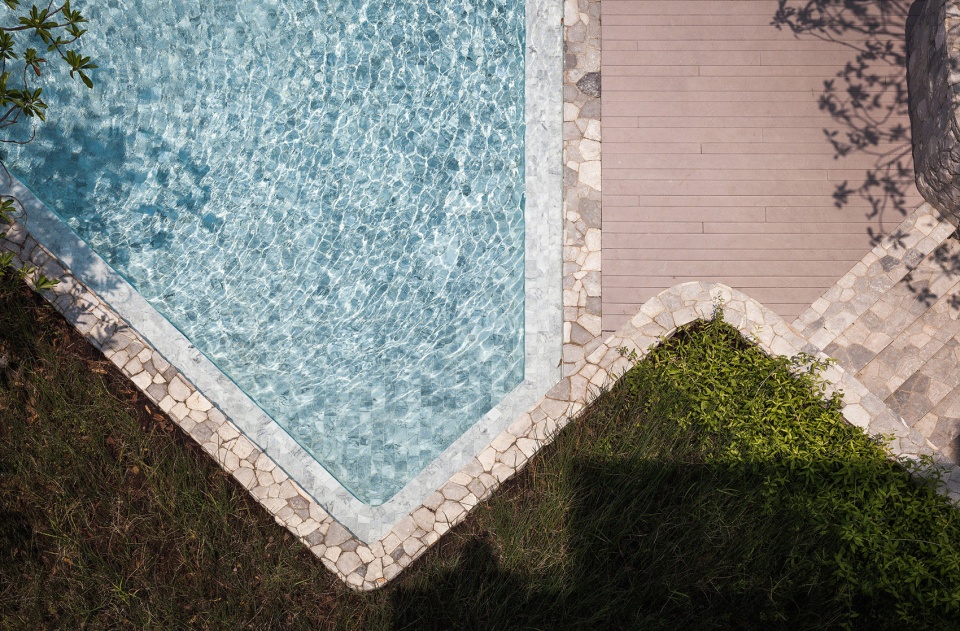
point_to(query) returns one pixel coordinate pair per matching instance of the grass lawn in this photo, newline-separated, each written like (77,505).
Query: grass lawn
(708,490)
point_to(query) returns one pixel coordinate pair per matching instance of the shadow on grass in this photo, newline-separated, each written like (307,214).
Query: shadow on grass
(108,519)
(654,545)
(658,546)
(111,518)
(711,488)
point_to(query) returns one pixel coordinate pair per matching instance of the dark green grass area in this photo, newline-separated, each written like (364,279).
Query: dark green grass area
(710,489)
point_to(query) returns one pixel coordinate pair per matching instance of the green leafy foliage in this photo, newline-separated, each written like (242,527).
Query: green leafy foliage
(79,63)
(710,489)
(895,540)
(9,206)
(55,28)
(21,103)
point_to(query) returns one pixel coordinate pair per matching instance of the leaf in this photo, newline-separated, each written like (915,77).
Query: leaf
(43,283)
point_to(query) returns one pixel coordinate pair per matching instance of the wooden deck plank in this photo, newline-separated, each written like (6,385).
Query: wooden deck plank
(684,84)
(721,187)
(714,97)
(656,32)
(712,19)
(812,123)
(681,57)
(627,296)
(716,45)
(815,145)
(741,253)
(717,160)
(685,7)
(628,132)
(618,159)
(740,281)
(746,110)
(800,226)
(617,210)
(812,244)
(653,71)
(724,175)
(700,269)
(732,227)
(730,201)
(798,70)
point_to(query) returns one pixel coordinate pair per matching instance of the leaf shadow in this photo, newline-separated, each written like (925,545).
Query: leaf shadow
(867,98)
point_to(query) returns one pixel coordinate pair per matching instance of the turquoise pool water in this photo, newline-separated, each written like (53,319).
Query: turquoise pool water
(325,198)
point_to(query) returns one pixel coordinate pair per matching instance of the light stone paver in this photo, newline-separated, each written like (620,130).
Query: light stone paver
(877,273)
(581,157)
(900,332)
(906,326)
(368,565)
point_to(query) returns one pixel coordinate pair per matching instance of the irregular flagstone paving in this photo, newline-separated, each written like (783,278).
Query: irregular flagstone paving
(368,565)
(581,157)
(894,321)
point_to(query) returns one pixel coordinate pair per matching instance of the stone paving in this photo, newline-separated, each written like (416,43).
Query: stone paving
(581,157)
(901,332)
(941,425)
(367,565)
(877,273)
(894,321)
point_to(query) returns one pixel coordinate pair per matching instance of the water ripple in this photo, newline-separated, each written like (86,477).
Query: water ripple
(326,198)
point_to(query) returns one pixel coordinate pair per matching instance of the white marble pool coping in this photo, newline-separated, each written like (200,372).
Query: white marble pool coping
(543,310)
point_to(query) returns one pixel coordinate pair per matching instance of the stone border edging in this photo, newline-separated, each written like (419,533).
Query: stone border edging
(582,323)
(880,269)
(366,566)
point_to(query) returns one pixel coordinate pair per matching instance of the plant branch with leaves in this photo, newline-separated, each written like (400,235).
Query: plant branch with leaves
(22,106)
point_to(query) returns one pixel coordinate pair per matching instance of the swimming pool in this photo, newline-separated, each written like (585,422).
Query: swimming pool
(326,200)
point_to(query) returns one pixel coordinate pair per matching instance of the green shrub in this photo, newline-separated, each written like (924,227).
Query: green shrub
(709,489)
(893,540)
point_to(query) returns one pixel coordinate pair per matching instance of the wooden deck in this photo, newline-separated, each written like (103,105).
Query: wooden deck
(737,152)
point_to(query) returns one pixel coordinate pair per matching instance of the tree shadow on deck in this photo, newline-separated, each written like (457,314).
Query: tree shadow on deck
(867,98)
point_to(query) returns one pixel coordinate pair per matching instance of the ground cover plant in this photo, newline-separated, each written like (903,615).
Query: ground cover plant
(710,489)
